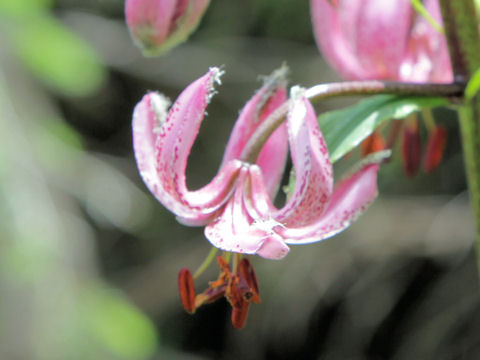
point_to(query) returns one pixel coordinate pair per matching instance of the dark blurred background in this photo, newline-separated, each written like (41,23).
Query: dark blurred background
(89,260)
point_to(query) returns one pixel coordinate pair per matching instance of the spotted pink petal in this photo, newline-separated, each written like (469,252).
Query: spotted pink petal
(316,223)
(162,144)
(273,156)
(350,199)
(232,230)
(311,162)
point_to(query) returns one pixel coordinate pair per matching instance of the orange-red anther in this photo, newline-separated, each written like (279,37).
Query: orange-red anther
(239,314)
(223,264)
(186,289)
(246,272)
(435,147)
(411,150)
(372,144)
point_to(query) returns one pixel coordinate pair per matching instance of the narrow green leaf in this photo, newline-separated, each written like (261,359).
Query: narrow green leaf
(345,129)
(57,56)
(473,85)
(418,6)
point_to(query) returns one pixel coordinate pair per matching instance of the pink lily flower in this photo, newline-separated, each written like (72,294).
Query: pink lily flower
(377,39)
(236,206)
(158,25)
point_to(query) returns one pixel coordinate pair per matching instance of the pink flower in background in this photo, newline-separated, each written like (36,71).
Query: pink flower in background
(236,206)
(378,39)
(158,25)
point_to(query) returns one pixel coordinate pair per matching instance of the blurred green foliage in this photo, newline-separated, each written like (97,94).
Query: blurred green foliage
(52,52)
(118,325)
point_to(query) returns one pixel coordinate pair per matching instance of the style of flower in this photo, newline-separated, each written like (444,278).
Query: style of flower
(158,25)
(377,39)
(236,206)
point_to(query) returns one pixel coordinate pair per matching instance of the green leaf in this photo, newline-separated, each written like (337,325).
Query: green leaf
(15,8)
(118,325)
(473,85)
(418,6)
(57,56)
(345,129)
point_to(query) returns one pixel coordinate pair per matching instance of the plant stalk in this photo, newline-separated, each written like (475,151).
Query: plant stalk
(461,29)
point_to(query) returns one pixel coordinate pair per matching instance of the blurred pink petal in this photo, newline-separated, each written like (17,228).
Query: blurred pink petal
(376,39)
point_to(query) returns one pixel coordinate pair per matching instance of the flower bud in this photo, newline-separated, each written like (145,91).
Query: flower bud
(186,289)
(372,144)
(435,147)
(158,25)
(411,148)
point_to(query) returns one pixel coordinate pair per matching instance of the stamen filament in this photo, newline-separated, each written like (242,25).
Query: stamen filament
(206,263)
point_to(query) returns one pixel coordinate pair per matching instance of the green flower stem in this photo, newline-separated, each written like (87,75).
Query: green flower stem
(461,29)
(346,88)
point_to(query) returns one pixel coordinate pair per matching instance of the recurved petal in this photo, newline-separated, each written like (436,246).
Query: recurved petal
(310,158)
(162,144)
(273,155)
(350,198)
(236,231)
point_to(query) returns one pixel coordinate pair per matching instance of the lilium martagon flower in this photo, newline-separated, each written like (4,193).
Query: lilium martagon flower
(236,207)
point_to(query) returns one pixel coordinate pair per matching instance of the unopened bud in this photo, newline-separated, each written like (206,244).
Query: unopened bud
(435,147)
(158,25)
(372,144)
(411,148)
(186,289)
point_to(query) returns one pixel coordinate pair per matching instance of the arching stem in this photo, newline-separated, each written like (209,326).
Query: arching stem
(347,88)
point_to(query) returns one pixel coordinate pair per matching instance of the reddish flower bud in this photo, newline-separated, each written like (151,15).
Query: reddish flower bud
(239,314)
(435,147)
(186,289)
(158,25)
(393,133)
(372,144)
(411,148)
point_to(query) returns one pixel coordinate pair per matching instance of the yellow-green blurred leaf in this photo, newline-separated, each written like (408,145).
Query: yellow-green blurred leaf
(22,7)
(118,325)
(57,56)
